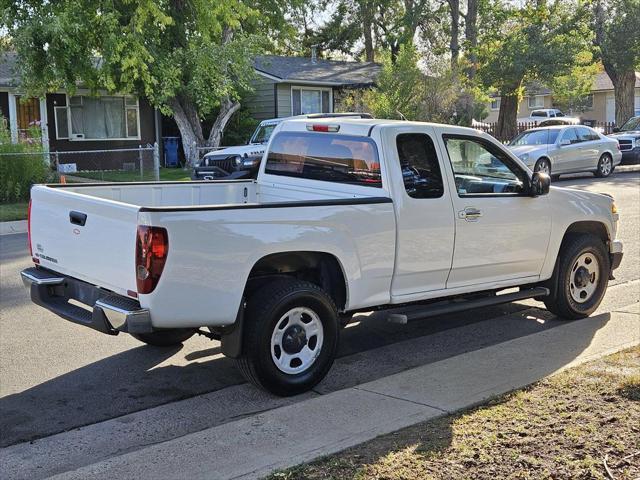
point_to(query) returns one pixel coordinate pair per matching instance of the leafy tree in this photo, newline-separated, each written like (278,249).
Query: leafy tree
(571,91)
(192,59)
(536,42)
(400,87)
(616,23)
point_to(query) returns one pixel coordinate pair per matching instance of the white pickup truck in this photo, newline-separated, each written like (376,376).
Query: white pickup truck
(346,215)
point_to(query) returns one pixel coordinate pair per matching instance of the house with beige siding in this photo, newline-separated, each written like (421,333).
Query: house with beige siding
(601,106)
(287,86)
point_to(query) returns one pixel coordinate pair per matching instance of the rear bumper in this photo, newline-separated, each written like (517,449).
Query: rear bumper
(103,311)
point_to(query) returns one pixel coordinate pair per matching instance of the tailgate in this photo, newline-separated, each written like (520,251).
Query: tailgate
(85,237)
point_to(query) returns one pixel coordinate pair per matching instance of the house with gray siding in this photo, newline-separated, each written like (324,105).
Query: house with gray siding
(287,86)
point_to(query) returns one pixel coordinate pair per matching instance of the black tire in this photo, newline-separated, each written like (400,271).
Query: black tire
(543,165)
(265,311)
(561,302)
(165,338)
(605,166)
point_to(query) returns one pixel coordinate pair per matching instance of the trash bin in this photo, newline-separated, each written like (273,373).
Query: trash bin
(170,151)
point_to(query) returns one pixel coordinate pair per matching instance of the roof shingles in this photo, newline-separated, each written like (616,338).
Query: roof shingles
(331,72)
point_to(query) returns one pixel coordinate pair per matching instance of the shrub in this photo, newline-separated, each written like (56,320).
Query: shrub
(20,164)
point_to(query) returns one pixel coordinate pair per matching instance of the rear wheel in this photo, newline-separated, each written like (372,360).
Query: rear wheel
(543,165)
(290,337)
(165,338)
(605,166)
(580,278)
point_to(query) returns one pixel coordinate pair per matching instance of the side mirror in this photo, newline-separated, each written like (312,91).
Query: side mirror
(540,183)
(564,142)
(616,129)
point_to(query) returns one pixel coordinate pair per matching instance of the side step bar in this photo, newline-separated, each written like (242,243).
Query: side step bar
(460,306)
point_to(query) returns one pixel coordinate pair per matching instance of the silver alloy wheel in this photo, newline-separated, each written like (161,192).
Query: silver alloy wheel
(545,167)
(296,341)
(584,278)
(605,165)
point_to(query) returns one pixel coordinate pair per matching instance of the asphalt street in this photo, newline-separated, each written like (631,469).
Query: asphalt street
(56,376)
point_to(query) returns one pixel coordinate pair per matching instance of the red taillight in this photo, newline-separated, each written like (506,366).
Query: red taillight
(152,247)
(29,229)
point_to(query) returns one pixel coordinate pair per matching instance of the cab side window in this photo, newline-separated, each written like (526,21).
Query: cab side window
(419,165)
(480,168)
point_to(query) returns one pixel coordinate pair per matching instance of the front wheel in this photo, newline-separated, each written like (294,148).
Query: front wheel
(290,337)
(165,338)
(605,166)
(580,277)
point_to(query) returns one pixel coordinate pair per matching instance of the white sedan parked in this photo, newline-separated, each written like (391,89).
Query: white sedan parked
(567,149)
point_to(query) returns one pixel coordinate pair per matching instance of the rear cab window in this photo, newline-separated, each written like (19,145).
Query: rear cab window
(325,157)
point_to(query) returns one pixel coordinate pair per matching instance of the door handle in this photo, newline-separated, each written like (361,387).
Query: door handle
(470,214)
(77,218)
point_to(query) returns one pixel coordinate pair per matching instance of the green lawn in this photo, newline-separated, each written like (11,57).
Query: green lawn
(13,211)
(166,174)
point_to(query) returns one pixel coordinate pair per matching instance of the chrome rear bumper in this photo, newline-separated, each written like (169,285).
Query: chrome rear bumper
(93,307)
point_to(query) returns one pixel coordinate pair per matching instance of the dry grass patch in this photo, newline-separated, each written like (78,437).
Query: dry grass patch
(560,428)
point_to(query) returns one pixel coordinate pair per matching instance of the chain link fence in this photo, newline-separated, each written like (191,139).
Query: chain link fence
(115,165)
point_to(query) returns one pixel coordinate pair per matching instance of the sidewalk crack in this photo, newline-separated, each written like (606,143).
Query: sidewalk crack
(402,399)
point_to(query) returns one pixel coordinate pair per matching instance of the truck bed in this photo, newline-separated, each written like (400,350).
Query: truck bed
(217,231)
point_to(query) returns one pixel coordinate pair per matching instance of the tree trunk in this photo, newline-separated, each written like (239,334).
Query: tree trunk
(624,92)
(227,108)
(367,22)
(454,43)
(190,130)
(507,126)
(471,34)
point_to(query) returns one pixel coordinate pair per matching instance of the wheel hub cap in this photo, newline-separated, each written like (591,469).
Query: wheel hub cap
(296,341)
(584,278)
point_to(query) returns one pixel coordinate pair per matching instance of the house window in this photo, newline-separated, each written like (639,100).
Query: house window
(310,100)
(536,101)
(101,118)
(28,113)
(588,102)
(495,103)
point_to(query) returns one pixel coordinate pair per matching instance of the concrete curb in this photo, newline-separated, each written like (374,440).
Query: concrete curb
(627,168)
(254,446)
(9,228)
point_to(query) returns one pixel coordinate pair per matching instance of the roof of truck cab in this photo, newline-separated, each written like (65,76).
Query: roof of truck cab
(361,126)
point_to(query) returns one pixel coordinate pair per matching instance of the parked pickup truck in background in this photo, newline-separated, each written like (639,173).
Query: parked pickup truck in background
(628,136)
(547,114)
(346,215)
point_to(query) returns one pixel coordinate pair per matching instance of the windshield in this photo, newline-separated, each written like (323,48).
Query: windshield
(536,137)
(632,124)
(262,133)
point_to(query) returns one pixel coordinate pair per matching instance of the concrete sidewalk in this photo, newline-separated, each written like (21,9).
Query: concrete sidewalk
(254,446)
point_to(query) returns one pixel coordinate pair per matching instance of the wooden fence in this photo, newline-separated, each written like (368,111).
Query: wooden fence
(603,127)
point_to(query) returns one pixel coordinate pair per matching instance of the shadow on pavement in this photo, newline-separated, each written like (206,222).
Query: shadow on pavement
(138,379)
